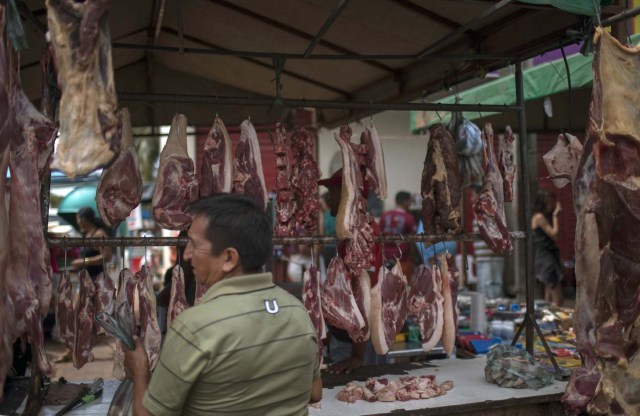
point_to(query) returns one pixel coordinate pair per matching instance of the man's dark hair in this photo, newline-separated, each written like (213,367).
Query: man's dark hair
(402,197)
(236,221)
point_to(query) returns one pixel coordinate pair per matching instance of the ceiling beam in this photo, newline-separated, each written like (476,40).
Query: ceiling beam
(325,27)
(451,37)
(296,32)
(255,61)
(444,21)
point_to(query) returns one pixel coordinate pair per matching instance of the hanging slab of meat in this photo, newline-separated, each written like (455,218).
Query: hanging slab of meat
(176,186)
(450,305)
(339,306)
(563,159)
(126,280)
(149,327)
(618,149)
(285,198)
(353,222)
(304,181)
(507,162)
(105,298)
(65,317)
(120,187)
(312,302)
(217,163)
(426,302)
(7,319)
(248,177)
(84,335)
(388,307)
(30,288)
(6,86)
(488,209)
(361,287)
(376,175)
(89,128)
(201,290)
(178,301)
(441,185)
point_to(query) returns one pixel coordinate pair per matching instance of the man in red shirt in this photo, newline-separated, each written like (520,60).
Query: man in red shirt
(399,221)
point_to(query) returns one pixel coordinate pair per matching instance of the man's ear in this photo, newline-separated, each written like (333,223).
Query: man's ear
(231,259)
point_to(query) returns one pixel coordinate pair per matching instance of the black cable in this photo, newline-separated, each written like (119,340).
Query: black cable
(566,66)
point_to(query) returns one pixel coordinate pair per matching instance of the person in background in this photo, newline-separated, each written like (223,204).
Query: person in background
(249,348)
(91,258)
(346,354)
(431,254)
(545,228)
(399,221)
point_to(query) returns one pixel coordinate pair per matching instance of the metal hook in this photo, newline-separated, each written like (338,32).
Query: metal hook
(104,262)
(122,248)
(313,255)
(439,116)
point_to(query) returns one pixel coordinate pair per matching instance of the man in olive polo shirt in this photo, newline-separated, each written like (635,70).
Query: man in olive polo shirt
(249,348)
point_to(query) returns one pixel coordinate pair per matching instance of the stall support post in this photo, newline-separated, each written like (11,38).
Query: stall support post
(525,201)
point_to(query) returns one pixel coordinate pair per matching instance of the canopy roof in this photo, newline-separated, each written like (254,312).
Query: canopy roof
(507,30)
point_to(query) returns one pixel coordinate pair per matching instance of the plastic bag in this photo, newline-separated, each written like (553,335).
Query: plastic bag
(515,368)
(468,138)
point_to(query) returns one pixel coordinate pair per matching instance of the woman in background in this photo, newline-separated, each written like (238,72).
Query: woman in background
(545,227)
(91,258)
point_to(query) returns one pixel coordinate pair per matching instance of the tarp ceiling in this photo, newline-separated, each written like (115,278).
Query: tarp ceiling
(289,26)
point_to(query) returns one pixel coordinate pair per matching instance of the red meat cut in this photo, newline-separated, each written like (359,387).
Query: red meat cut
(84,335)
(217,164)
(248,177)
(178,301)
(339,305)
(426,302)
(176,186)
(120,187)
(507,162)
(388,307)
(312,302)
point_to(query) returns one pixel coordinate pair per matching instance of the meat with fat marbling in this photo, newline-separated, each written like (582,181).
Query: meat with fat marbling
(312,302)
(563,159)
(84,334)
(89,126)
(304,183)
(388,307)
(178,300)
(65,318)
(120,187)
(507,162)
(248,177)
(105,298)
(339,305)
(149,327)
(216,170)
(426,302)
(176,185)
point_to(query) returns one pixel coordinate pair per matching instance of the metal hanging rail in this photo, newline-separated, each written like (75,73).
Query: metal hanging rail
(313,57)
(297,103)
(182,241)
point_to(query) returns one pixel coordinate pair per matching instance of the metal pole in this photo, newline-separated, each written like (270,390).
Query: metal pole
(314,57)
(327,24)
(181,241)
(296,103)
(450,37)
(526,202)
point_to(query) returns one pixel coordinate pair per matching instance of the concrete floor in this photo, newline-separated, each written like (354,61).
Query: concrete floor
(102,365)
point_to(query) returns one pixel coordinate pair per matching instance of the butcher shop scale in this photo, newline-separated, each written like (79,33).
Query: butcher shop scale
(355,105)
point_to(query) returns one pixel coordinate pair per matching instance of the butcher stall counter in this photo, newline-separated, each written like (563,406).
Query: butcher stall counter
(471,394)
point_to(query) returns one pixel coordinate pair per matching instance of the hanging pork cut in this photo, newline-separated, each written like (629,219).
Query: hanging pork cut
(176,186)
(426,303)
(285,197)
(89,127)
(488,209)
(105,298)
(376,176)
(248,177)
(388,307)
(120,187)
(312,302)
(178,301)
(125,281)
(30,279)
(339,306)
(7,319)
(6,90)
(361,287)
(563,159)
(507,162)
(84,335)
(353,221)
(450,304)
(65,318)
(149,327)
(441,185)
(607,204)
(304,180)
(201,290)
(216,170)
